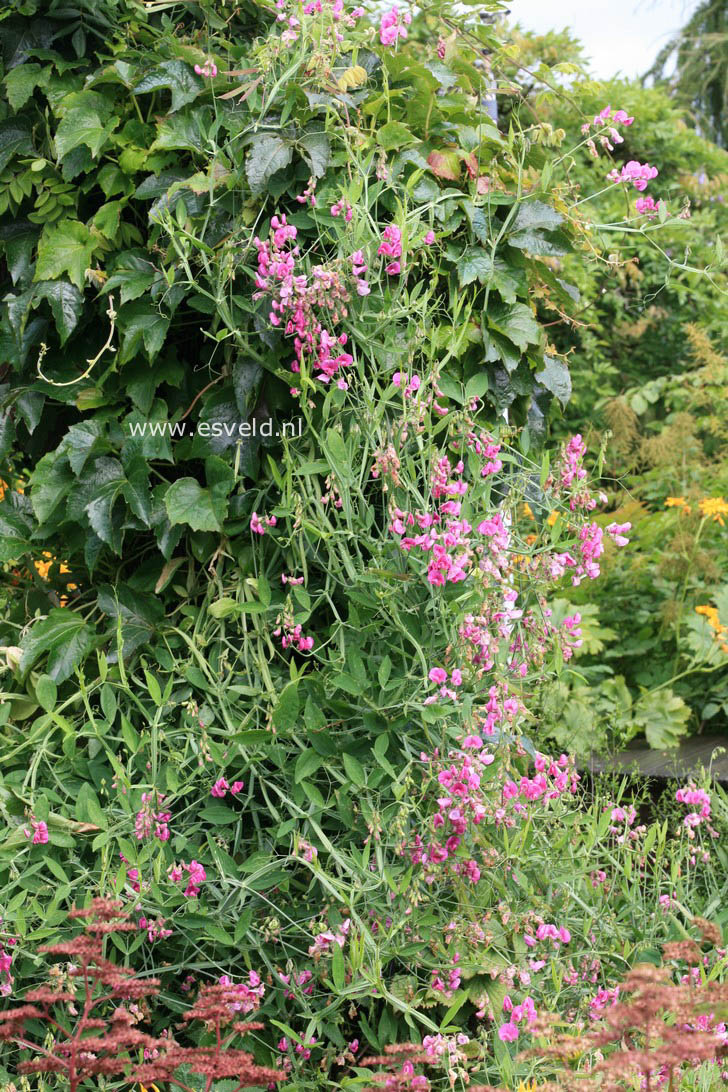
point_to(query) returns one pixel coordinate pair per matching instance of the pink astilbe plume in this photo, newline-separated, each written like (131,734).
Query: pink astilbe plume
(87,1031)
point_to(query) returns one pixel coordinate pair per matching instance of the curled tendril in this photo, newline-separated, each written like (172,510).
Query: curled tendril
(92,362)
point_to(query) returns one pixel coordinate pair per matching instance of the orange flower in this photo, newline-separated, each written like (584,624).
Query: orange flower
(678,502)
(711,614)
(714,507)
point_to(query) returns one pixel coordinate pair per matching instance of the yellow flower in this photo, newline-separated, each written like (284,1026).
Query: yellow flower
(527,1086)
(43,567)
(152,1088)
(715,507)
(711,613)
(3,487)
(527,510)
(553,516)
(678,502)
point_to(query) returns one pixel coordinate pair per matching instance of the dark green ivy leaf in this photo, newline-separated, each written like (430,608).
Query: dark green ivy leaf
(64,636)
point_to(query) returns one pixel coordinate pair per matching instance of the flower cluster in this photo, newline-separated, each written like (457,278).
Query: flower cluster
(466,798)
(639,174)
(324,941)
(525,1013)
(259,526)
(699,801)
(712,617)
(155,929)
(244,996)
(150,822)
(195,872)
(392,26)
(303,980)
(221,787)
(391,247)
(306,306)
(325,30)
(6,962)
(37,832)
(208,69)
(291,632)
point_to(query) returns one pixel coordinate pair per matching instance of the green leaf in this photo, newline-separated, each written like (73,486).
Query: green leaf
(141,324)
(516,322)
(474,265)
(66,304)
(267,154)
(393,135)
(354,770)
(286,711)
(178,77)
(46,692)
(338,454)
(82,441)
(50,483)
(106,219)
(536,242)
(186,131)
(307,763)
(15,139)
(96,493)
(223,607)
(65,247)
(218,814)
(85,121)
(338,968)
(535,214)
(136,488)
(138,613)
(317,152)
(663,717)
(187,502)
(247,376)
(556,378)
(15,531)
(22,81)
(64,636)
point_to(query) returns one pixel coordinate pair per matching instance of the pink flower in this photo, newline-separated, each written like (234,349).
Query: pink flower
(391,27)
(646,206)
(617,532)
(393,269)
(39,832)
(219,788)
(429,238)
(437,675)
(639,174)
(236,787)
(508,1033)
(391,244)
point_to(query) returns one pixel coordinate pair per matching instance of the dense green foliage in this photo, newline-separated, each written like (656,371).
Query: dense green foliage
(650,379)
(223,698)
(699,76)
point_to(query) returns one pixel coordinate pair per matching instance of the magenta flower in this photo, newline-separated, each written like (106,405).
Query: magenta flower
(208,69)
(39,832)
(392,26)
(508,1033)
